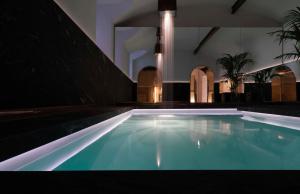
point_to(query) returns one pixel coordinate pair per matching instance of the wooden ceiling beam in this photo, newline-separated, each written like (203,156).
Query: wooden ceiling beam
(206,38)
(238,4)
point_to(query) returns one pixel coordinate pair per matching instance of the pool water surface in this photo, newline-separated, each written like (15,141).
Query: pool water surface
(169,142)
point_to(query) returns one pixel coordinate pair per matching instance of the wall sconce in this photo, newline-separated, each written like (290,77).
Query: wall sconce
(158,45)
(158,49)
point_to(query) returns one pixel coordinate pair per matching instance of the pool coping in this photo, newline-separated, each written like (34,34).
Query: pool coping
(273,119)
(94,132)
(19,161)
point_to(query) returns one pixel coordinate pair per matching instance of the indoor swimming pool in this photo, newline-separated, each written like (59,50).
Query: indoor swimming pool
(173,140)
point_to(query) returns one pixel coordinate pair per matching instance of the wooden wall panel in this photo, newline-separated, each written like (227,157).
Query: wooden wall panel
(276,89)
(289,88)
(146,82)
(284,88)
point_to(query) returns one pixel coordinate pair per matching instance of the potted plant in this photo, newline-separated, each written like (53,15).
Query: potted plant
(290,32)
(261,78)
(233,66)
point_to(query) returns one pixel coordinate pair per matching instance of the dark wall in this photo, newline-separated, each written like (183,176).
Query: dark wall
(46,60)
(173,92)
(217,95)
(177,92)
(181,92)
(252,93)
(298,91)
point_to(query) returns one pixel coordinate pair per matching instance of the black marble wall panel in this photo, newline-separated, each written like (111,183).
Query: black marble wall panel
(46,60)
(177,92)
(217,95)
(298,91)
(174,92)
(255,93)
(252,93)
(181,92)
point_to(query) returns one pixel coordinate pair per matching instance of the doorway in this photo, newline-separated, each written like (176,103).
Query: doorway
(149,89)
(202,85)
(284,85)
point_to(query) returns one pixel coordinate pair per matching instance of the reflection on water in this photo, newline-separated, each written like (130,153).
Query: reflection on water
(198,131)
(157,125)
(225,128)
(280,137)
(191,143)
(158,157)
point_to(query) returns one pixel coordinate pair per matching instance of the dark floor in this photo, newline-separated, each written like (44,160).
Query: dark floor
(23,130)
(204,182)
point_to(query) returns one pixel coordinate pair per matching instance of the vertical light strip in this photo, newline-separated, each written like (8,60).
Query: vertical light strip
(168,44)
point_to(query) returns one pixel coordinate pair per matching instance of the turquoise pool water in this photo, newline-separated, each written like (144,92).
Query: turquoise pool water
(190,143)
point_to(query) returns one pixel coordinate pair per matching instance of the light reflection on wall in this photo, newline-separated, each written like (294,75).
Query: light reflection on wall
(168,43)
(158,88)
(192,97)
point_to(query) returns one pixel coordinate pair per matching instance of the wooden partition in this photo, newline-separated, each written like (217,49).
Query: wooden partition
(284,86)
(148,88)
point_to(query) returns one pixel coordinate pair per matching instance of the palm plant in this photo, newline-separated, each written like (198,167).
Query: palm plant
(233,65)
(290,32)
(261,78)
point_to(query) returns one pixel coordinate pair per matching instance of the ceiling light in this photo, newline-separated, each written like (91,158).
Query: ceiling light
(167,5)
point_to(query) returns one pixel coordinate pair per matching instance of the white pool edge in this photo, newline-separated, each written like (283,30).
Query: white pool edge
(108,125)
(272,119)
(227,111)
(17,162)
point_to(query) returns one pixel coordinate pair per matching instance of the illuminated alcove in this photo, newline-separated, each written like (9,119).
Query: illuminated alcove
(284,85)
(224,87)
(149,89)
(202,85)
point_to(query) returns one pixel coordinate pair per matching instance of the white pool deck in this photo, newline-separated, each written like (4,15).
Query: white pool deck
(53,154)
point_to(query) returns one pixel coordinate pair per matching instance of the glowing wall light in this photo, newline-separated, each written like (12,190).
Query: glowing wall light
(225,85)
(157,94)
(192,98)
